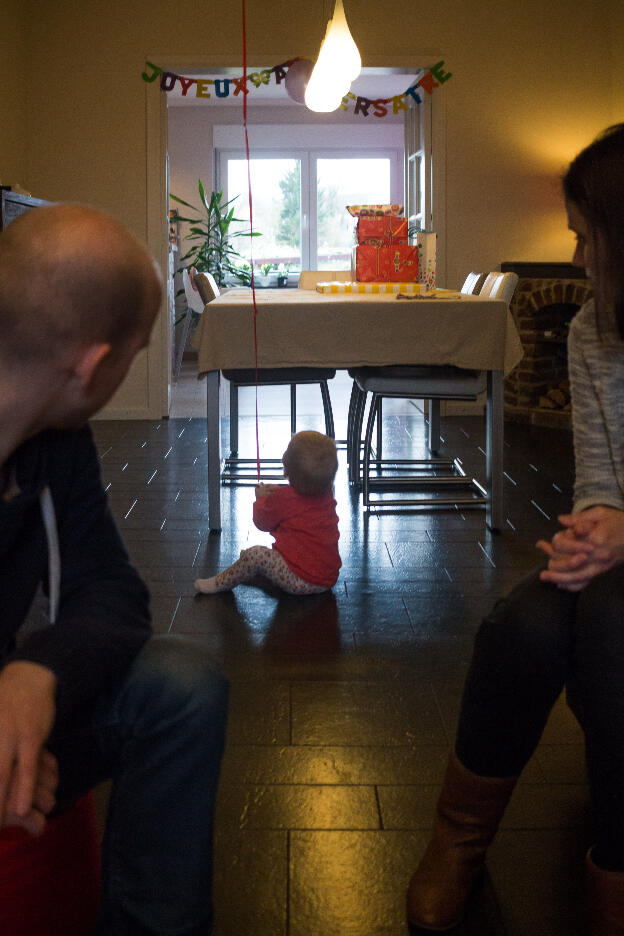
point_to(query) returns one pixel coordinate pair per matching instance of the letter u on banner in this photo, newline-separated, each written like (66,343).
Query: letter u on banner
(222,87)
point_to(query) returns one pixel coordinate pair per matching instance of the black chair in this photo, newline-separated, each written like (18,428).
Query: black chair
(433,383)
(473,283)
(239,470)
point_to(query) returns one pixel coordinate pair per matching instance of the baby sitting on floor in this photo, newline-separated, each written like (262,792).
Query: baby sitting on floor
(301,515)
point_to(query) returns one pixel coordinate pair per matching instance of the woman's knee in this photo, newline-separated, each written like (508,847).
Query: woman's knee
(532,623)
(598,660)
(600,611)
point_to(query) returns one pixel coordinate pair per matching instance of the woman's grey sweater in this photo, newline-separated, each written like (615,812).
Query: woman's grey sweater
(597,388)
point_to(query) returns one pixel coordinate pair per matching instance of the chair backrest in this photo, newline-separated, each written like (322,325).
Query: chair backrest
(309,278)
(193,298)
(490,281)
(207,286)
(504,287)
(472,283)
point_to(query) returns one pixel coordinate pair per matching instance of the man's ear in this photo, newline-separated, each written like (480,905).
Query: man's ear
(88,362)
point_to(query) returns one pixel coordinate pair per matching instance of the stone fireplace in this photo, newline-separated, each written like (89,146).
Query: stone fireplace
(547,297)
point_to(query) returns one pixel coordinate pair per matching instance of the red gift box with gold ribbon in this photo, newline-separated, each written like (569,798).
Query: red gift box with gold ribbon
(382,232)
(398,264)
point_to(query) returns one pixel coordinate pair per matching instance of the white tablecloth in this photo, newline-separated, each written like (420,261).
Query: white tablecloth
(306,328)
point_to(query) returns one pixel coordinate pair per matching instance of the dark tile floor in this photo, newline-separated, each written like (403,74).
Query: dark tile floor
(343,706)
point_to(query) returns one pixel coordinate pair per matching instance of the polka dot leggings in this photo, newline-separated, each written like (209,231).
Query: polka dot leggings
(259,560)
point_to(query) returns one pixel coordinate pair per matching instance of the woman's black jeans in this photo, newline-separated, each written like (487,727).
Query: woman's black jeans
(533,643)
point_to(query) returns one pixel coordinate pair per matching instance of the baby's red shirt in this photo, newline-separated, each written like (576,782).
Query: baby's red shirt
(305,530)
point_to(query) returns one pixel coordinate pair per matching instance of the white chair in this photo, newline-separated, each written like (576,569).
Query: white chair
(309,278)
(238,470)
(194,306)
(472,284)
(492,282)
(444,382)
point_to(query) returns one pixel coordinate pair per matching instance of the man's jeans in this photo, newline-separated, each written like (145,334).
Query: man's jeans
(159,735)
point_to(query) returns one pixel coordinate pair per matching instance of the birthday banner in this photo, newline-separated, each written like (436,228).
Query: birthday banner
(223,87)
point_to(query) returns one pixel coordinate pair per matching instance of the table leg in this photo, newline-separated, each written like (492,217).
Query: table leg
(213,426)
(433,436)
(495,434)
(233,418)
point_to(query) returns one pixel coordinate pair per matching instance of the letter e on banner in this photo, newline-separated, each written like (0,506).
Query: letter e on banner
(436,71)
(202,88)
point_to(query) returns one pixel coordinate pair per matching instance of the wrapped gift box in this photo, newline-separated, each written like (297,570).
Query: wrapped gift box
(398,264)
(382,232)
(341,287)
(426,243)
(374,211)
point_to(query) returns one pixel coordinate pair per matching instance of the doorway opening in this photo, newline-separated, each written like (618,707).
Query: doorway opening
(319,153)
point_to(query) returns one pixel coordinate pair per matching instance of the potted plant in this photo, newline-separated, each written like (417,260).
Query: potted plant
(282,274)
(242,271)
(264,278)
(213,251)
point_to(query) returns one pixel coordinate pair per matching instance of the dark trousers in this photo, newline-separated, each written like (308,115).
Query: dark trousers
(159,735)
(536,641)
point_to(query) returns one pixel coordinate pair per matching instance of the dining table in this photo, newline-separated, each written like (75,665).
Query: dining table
(310,328)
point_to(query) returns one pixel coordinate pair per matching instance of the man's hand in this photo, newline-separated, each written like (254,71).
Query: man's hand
(28,773)
(44,799)
(590,543)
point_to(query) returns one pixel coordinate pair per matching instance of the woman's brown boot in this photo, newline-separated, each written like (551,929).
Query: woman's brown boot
(467,816)
(605,900)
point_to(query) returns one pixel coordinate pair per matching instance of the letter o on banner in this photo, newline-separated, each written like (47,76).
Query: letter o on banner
(297,79)
(167,81)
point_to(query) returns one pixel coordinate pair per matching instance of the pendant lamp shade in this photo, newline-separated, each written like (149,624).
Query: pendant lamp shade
(338,64)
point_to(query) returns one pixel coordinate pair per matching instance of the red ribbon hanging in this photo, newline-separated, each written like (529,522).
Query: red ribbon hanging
(253,285)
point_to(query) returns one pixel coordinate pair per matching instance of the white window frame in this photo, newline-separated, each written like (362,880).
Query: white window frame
(309,157)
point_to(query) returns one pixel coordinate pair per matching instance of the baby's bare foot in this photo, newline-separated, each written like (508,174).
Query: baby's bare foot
(209,586)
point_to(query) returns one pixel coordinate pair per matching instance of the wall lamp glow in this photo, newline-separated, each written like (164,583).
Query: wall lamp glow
(338,64)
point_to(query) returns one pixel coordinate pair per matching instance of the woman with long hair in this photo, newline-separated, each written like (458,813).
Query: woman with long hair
(564,624)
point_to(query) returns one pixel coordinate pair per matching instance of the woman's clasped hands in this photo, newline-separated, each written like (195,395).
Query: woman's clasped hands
(591,542)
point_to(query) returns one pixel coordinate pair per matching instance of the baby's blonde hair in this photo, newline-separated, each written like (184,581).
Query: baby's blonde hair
(310,463)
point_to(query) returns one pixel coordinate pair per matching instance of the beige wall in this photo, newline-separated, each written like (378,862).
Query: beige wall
(13,95)
(532,83)
(616,33)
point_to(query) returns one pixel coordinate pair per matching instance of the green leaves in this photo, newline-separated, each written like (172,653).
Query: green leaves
(210,227)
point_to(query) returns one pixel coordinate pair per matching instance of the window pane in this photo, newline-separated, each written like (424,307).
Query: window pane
(342,182)
(276,193)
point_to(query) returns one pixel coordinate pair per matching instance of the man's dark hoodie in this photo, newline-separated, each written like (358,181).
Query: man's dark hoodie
(102,609)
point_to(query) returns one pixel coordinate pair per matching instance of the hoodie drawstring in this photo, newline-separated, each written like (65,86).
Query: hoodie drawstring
(54,555)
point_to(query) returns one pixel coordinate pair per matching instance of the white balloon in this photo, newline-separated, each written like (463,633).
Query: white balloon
(297,78)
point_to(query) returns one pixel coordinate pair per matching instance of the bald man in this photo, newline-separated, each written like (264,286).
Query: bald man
(93,695)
